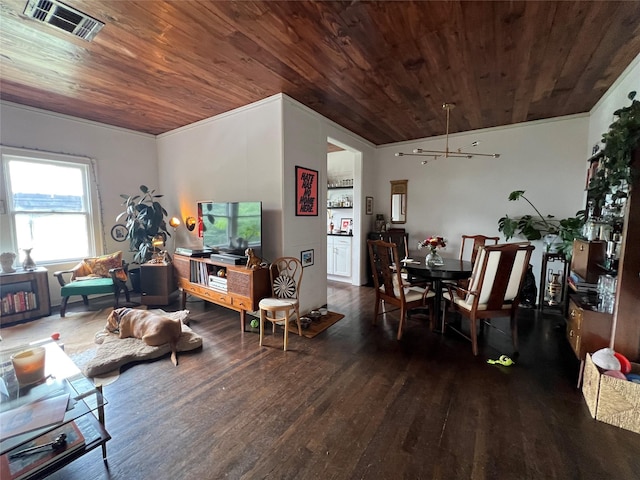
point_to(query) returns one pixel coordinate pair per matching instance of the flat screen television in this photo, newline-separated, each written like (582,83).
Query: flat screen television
(231,227)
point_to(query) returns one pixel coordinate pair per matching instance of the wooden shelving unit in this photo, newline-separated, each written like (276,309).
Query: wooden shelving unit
(231,286)
(24,295)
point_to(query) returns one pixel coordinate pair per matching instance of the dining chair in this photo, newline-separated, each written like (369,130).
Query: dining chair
(283,305)
(494,288)
(472,243)
(391,288)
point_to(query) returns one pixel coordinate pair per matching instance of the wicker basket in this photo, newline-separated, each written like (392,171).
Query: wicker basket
(612,400)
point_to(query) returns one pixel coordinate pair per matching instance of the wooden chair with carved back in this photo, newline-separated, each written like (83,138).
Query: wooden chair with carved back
(494,288)
(391,288)
(471,243)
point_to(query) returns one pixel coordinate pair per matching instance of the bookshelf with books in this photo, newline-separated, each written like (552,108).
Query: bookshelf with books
(24,295)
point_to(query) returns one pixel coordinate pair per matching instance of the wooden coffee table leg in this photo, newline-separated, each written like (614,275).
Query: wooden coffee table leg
(101,419)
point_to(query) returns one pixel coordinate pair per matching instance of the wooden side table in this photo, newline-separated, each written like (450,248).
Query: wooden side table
(157,283)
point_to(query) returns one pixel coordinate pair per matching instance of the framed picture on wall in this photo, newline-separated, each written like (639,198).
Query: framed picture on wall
(119,232)
(306,257)
(306,192)
(369,205)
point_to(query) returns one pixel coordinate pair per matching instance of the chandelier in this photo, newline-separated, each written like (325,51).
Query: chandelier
(446,153)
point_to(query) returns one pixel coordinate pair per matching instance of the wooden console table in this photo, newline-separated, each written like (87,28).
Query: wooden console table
(230,286)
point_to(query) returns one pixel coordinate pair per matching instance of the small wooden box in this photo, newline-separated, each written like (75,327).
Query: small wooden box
(157,283)
(612,400)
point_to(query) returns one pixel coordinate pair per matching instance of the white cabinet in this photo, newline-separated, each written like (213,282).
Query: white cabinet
(339,256)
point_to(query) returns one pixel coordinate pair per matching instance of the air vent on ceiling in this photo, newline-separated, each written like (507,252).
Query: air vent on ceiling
(62,16)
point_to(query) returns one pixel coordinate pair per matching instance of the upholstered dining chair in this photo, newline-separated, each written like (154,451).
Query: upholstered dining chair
(494,288)
(283,305)
(469,250)
(391,288)
(471,243)
(92,276)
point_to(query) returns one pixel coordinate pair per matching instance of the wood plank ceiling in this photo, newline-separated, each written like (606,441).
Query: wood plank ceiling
(380,69)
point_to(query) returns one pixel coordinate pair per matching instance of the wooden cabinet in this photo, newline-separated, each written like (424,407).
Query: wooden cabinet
(339,256)
(626,315)
(588,259)
(231,286)
(624,332)
(157,283)
(24,295)
(587,330)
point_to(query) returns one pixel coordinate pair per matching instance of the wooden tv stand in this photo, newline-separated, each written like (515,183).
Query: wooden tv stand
(231,286)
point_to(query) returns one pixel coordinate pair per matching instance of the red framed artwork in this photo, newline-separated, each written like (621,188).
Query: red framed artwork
(306,192)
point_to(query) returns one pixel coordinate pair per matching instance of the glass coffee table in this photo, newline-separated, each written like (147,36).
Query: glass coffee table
(24,411)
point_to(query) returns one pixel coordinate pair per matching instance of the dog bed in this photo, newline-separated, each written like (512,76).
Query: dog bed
(114,352)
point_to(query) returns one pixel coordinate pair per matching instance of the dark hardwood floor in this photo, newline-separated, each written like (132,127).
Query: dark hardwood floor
(354,403)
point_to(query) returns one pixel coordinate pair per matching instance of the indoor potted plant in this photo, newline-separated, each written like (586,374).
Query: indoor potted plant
(615,172)
(558,235)
(144,219)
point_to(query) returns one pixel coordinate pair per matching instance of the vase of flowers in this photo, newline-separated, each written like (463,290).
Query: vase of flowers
(433,243)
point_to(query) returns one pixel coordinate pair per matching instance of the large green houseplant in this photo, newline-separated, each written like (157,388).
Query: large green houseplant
(539,226)
(615,171)
(145,219)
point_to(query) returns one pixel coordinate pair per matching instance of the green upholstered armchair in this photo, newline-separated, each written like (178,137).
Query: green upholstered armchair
(95,275)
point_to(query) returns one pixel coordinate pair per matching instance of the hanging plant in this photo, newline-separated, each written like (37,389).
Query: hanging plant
(622,138)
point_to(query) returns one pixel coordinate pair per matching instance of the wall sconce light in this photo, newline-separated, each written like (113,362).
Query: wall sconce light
(190,223)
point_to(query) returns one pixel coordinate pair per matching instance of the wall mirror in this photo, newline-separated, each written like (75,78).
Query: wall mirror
(399,201)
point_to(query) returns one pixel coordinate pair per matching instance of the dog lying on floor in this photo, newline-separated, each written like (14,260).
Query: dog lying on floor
(153,329)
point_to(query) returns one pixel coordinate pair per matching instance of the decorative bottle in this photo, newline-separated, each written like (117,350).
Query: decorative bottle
(28,263)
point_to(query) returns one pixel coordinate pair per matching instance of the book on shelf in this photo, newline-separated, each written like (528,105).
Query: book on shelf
(578,284)
(16,467)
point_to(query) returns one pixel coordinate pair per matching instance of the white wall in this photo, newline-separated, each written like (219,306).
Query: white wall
(251,154)
(228,158)
(124,160)
(601,115)
(306,134)
(457,196)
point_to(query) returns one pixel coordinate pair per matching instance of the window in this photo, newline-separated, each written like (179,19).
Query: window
(50,205)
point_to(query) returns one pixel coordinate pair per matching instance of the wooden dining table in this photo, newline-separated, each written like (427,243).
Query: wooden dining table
(453,269)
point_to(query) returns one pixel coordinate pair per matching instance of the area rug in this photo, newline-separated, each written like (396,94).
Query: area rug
(317,326)
(114,352)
